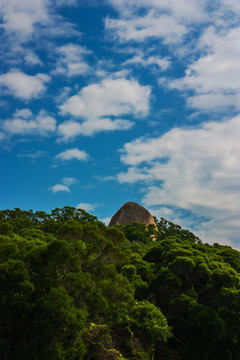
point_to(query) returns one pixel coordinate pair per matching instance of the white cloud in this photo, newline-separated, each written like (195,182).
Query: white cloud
(15,53)
(2,136)
(111,97)
(31,58)
(99,105)
(227,13)
(222,13)
(151,25)
(162,63)
(20,17)
(87,206)
(232,5)
(163,212)
(106,220)
(59,188)
(166,19)
(71,154)
(67,2)
(23,113)
(205,36)
(24,122)
(33,156)
(65,186)
(214,101)
(71,60)
(69,181)
(30,25)
(62,95)
(23,86)
(214,77)
(181,9)
(70,129)
(195,169)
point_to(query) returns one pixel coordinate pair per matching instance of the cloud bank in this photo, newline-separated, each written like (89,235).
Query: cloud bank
(97,107)
(194,169)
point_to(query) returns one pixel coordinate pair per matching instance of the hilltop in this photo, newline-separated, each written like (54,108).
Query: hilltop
(130,212)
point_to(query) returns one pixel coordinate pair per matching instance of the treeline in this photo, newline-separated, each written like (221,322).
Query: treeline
(72,289)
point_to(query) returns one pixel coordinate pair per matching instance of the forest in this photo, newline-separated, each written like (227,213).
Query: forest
(71,288)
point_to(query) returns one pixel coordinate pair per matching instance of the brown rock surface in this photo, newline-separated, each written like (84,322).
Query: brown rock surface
(129,212)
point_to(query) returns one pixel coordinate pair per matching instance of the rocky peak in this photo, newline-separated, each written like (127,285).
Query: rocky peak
(129,212)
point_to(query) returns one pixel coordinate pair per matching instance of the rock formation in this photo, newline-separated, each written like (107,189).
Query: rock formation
(129,212)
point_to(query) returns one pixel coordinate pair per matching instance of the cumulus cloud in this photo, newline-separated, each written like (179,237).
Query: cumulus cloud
(212,60)
(64,186)
(214,77)
(99,106)
(87,206)
(24,122)
(59,188)
(195,169)
(71,154)
(141,19)
(23,86)
(27,26)
(110,97)
(71,60)
(151,25)
(181,9)
(21,17)
(161,63)
(70,129)
(164,19)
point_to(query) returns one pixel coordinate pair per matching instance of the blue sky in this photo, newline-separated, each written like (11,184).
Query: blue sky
(104,102)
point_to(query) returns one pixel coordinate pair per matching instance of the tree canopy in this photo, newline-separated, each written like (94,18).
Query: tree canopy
(72,288)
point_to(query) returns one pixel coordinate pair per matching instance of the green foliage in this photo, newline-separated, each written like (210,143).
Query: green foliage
(100,344)
(148,322)
(136,232)
(71,288)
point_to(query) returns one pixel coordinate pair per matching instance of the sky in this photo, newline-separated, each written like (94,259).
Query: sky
(109,101)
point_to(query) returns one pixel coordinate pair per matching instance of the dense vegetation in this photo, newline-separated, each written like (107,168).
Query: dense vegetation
(71,289)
